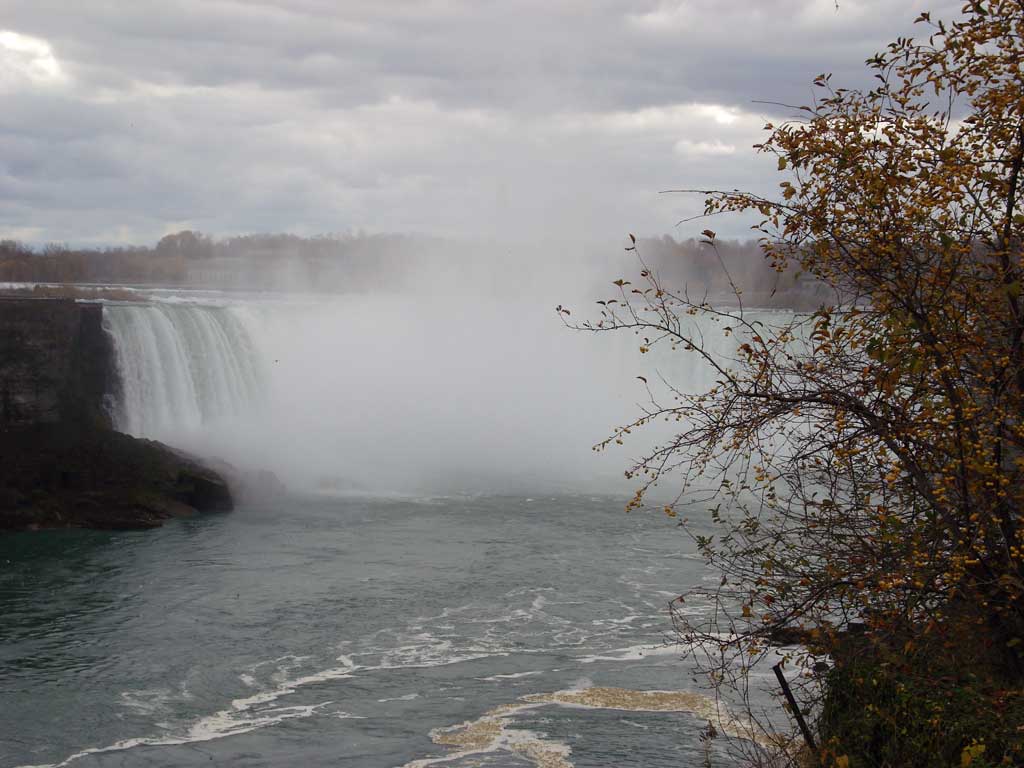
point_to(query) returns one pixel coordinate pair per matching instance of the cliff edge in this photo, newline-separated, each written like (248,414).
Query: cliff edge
(60,476)
(61,463)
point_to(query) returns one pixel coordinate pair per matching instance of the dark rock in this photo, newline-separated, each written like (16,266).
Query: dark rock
(61,465)
(258,486)
(56,363)
(204,489)
(810,637)
(789,636)
(64,475)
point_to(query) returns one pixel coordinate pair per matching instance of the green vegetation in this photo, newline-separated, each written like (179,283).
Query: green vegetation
(917,709)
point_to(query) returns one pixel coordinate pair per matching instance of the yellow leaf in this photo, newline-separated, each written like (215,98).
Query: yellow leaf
(971,753)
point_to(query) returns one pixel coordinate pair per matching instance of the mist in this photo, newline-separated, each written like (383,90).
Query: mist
(461,379)
(482,163)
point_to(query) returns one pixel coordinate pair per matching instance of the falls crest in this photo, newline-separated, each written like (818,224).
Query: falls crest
(182,368)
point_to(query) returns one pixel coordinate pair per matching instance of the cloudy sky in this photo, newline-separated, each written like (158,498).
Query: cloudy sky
(123,120)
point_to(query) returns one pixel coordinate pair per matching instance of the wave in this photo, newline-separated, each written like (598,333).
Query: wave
(513,676)
(635,653)
(219,725)
(250,713)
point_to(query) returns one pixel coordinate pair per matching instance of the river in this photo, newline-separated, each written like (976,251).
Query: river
(350,631)
(451,579)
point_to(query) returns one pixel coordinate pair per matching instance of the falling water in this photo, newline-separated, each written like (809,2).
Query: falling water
(393,392)
(182,367)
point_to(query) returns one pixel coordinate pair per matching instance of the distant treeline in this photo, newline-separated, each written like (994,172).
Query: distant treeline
(193,259)
(701,268)
(367,262)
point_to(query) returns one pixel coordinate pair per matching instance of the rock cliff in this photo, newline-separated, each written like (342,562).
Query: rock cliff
(61,463)
(62,476)
(56,362)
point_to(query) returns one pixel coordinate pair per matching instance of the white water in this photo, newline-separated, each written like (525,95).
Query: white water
(389,392)
(183,368)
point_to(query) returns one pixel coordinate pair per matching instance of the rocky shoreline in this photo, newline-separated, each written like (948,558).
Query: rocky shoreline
(61,476)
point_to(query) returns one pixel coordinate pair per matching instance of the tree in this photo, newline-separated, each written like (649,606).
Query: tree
(864,463)
(189,244)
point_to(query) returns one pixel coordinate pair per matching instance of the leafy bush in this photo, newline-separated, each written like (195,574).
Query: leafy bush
(883,711)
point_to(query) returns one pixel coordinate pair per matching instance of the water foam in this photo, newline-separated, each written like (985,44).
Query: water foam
(635,653)
(492,732)
(513,676)
(250,713)
(244,714)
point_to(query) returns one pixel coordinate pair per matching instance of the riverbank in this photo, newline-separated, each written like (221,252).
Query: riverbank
(68,476)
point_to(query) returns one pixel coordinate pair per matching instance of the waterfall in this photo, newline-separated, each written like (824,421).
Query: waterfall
(183,367)
(394,391)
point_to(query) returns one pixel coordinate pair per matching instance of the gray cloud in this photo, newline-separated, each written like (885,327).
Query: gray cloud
(123,121)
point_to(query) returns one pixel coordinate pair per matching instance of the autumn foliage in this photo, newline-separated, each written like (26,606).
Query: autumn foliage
(864,463)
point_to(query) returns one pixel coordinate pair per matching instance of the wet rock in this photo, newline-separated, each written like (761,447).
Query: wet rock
(56,362)
(204,489)
(62,475)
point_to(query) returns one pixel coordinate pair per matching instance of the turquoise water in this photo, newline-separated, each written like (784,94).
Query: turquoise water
(345,631)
